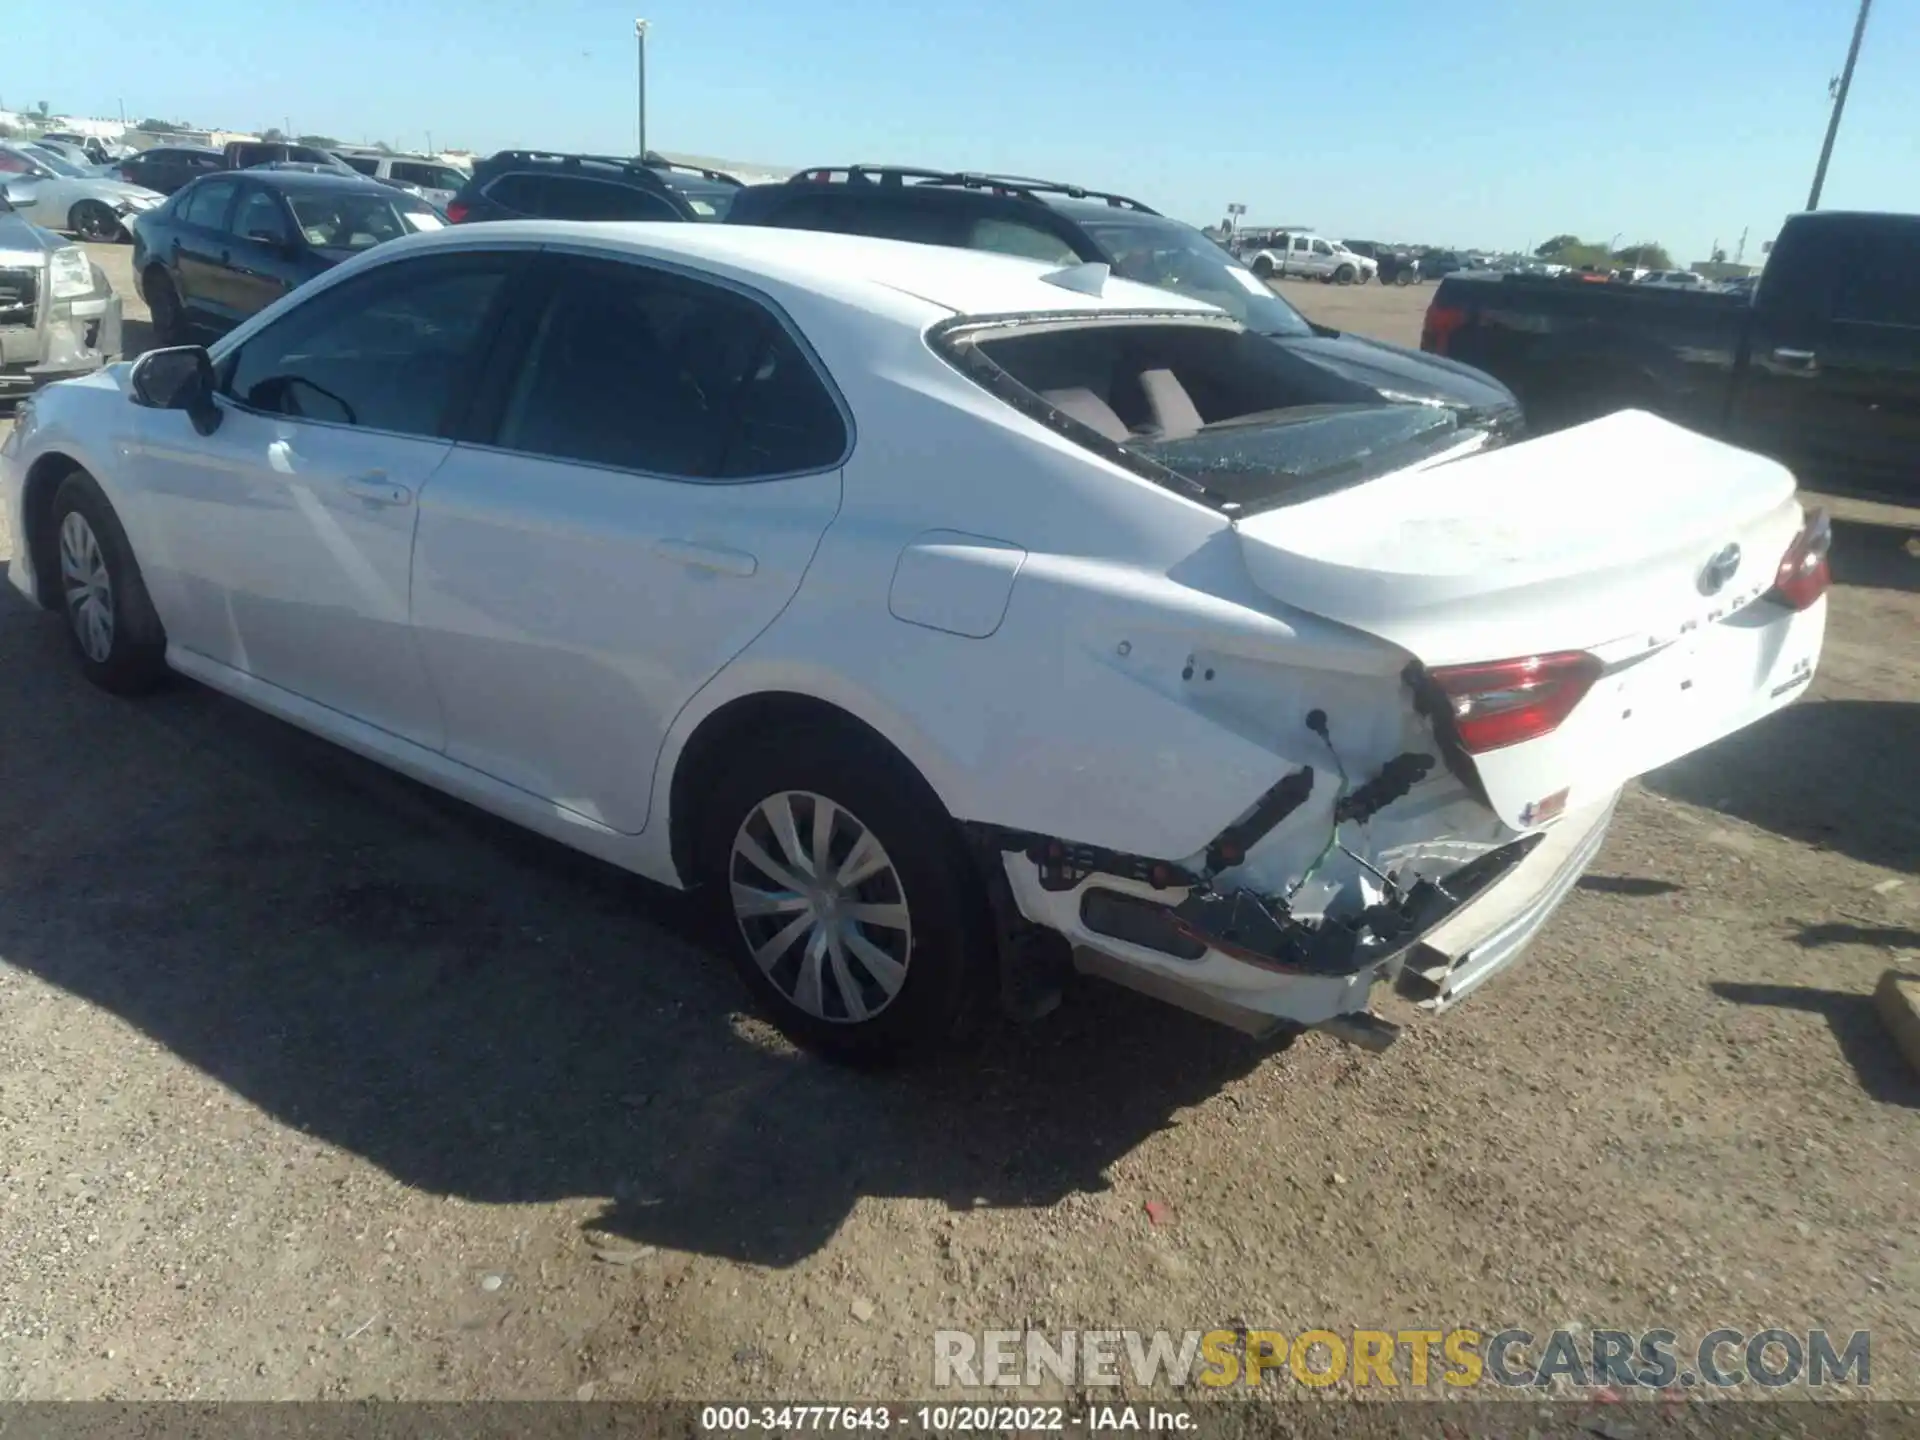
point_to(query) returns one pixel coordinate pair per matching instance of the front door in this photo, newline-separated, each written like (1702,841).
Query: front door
(286,536)
(259,264)
(201,241)
(652,469)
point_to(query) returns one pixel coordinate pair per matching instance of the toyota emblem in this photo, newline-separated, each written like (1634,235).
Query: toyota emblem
(1719,570)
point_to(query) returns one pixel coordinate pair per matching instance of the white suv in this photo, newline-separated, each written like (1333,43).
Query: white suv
(437,181)
(1313,256)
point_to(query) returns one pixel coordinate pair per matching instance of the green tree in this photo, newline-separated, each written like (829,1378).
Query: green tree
(1647,255)
(1551,249)
(157,127)
(319,142)
(273,135)
(43,107)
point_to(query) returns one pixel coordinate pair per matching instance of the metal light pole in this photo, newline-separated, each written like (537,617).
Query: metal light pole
(640,89)
(1839,104)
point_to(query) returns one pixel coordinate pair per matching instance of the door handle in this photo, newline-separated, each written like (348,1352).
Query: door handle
(1798,359)
(708,557)
(376,489)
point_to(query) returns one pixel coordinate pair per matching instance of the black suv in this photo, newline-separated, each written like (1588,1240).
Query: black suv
(1069,224)
(545,185)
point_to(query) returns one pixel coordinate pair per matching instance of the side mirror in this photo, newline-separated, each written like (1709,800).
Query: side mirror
(177,378)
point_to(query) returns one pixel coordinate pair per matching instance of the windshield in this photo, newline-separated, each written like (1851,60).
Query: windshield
(1171,256)
(59,164)
(340,220)
(1284,457)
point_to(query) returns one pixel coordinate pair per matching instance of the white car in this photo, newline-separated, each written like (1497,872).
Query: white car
(950,617)
(1674,280)
(56,194)
(434,180)
(1313,256)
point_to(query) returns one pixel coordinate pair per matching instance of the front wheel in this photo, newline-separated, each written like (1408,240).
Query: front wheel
(91,220)
(1263,267)
(856,916)
(1344,275)
(111,623)
(163,305)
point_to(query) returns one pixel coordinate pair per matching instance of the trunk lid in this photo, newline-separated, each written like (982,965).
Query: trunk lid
(1628,538)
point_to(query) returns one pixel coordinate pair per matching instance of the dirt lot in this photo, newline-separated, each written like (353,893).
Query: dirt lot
(315,1084)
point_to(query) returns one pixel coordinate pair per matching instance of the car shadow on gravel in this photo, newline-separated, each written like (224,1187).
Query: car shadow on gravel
(482,1014)
(1876,556)
(1863,1037)
(1834,774)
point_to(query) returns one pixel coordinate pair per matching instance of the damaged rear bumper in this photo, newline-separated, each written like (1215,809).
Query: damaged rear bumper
(1231,971)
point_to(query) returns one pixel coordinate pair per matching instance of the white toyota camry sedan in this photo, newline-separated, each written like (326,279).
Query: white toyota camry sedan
(956,621)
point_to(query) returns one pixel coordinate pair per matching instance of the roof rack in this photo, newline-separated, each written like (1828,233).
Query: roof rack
(654,160)
(1022,186)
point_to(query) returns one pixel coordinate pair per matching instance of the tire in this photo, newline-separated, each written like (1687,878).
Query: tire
(1343,276)
(1404,278)
(163,304)
(1263,267)
(110,621)
(911,976)
(91,220)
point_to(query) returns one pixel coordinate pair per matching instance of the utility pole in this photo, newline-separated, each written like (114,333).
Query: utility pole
(640,88)
(1839,104)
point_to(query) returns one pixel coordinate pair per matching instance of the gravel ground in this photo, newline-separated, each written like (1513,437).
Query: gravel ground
(313,1084)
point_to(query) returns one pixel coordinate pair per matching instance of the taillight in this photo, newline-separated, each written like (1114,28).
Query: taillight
(456,211)
(1505,702)
(1437,334)
(1804,575)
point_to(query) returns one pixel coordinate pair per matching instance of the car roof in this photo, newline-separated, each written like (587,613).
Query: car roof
(307,180)
(859,270)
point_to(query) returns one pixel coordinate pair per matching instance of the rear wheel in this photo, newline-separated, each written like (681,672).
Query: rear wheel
(91,220)
(111,623)
(1404,277)
(854,912)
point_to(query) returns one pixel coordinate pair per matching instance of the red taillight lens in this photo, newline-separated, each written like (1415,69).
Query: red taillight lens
(1506,702)
(456,211)
(1437,334)
(1804,575)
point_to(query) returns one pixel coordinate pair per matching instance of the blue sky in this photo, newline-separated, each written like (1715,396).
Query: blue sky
(1493,122)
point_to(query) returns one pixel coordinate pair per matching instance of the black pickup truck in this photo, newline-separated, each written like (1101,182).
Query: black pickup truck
(1820,368)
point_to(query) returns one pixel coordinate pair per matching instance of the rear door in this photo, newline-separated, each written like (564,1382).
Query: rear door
(652,465)
(1833,380)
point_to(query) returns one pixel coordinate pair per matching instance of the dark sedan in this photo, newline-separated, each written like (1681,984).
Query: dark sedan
(167,168)
(230,244)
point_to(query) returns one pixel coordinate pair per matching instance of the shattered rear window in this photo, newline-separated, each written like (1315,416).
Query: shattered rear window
(1264,462)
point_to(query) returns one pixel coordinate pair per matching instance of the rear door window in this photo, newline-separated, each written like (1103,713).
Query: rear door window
(569,198)
(635,369)
(1015,237)
(1881,285)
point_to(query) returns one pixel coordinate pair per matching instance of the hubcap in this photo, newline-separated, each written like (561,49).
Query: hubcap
(821,907)
(88,587)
